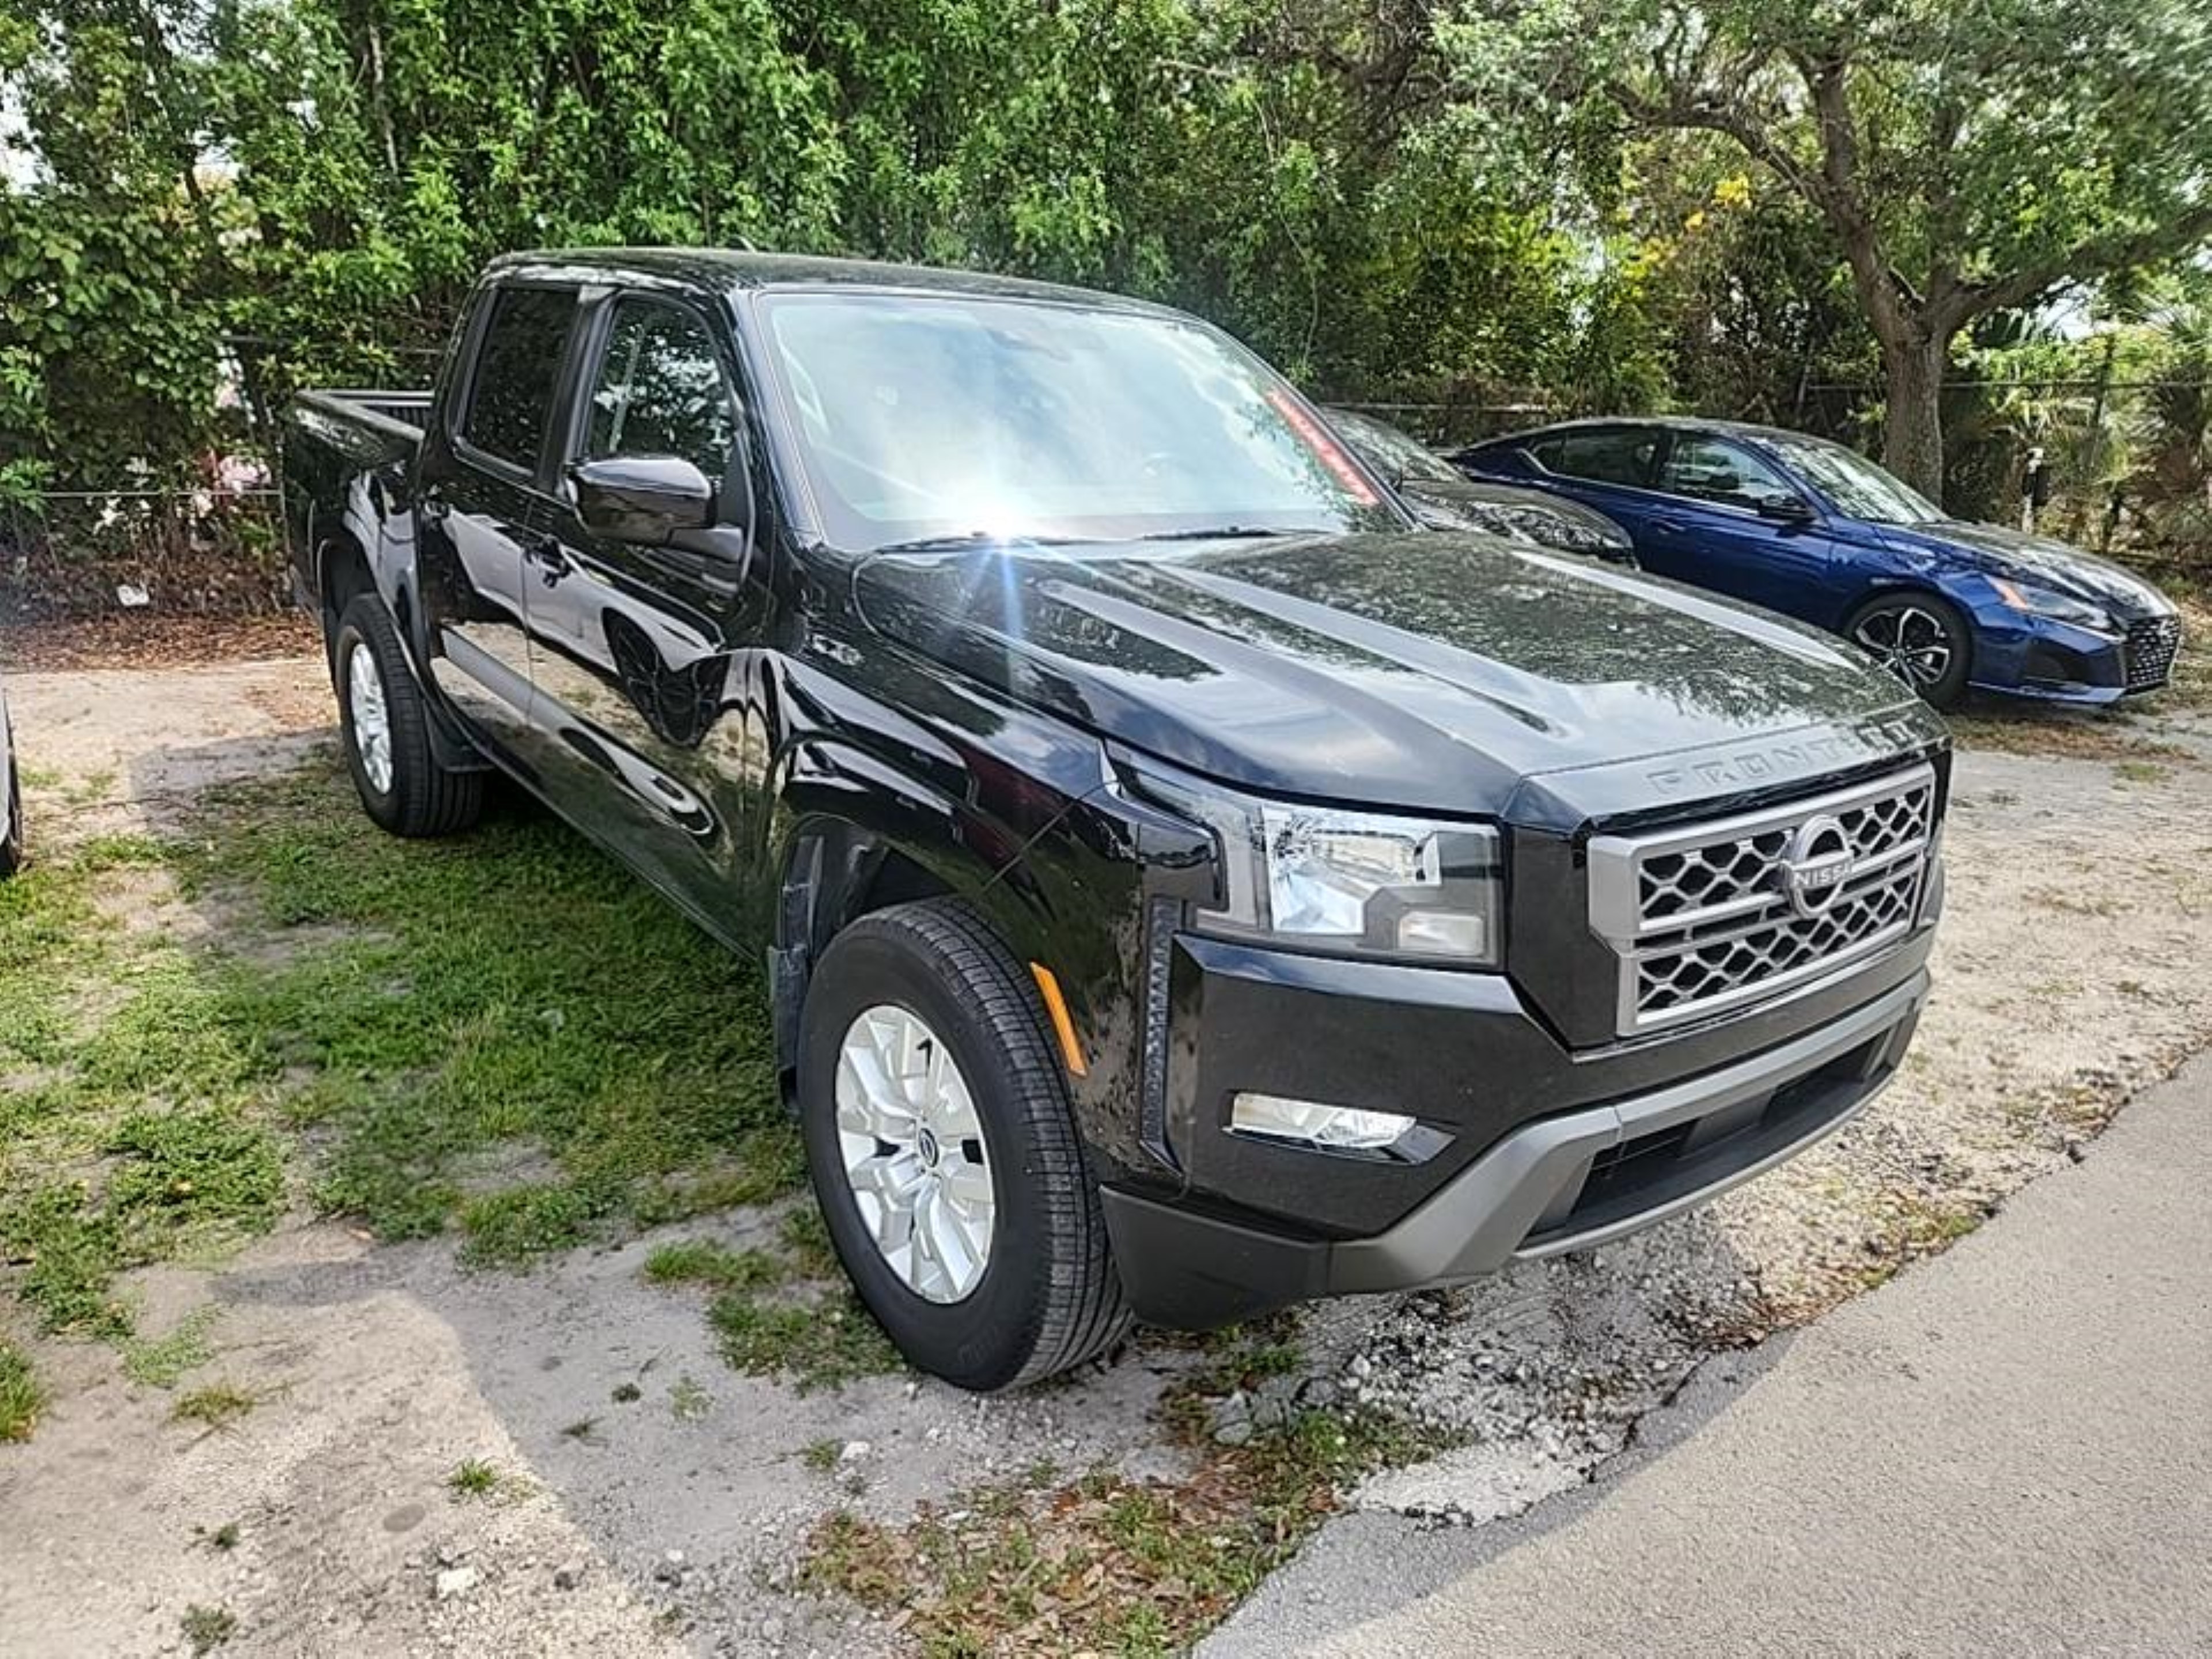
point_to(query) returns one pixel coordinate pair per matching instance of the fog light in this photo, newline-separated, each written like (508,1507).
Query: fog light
(1463,933)
(1335,1128)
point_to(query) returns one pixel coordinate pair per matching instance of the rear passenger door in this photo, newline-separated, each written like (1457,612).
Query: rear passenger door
(481,506)
(1612,468)
(642,655)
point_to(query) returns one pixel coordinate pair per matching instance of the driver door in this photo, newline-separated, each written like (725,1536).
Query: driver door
(642,656)
(1723,523)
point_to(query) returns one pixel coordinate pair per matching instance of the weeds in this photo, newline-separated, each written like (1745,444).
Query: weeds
(773,1312)
(688,1401)
(219,1406)
(821,1343)
(1101,1563)
(473,1478)
(21,1399)
(703,1262)
(160,1364)
(208,1628)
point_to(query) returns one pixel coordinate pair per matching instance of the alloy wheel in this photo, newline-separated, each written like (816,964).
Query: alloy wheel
(1912,643)
(914,1153)
(372,719)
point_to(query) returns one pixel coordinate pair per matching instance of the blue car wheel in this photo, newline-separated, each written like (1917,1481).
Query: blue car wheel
(1921,639)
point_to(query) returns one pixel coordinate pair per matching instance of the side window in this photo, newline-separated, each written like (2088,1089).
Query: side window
(1614,455)
(511,394)
(660,390)
(1710,470)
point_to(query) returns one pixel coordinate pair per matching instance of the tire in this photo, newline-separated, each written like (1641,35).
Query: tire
(11,845)
(401,784)
(1042,1295)
(1921,639)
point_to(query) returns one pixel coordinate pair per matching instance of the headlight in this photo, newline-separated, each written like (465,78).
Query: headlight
(1356,883)
(2041,602)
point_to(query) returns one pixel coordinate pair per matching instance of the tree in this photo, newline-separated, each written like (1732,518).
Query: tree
(1965,159)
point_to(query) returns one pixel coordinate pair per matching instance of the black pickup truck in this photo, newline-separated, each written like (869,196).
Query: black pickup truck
(1186,887)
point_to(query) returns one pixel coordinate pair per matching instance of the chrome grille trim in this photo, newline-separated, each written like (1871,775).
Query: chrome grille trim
(1700,917)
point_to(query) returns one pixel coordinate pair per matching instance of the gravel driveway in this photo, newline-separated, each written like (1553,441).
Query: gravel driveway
(649,1500)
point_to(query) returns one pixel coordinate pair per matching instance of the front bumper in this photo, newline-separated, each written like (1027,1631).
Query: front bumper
(2052,661)
(1568,1181)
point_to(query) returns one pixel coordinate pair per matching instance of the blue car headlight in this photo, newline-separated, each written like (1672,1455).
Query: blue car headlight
(2041,602)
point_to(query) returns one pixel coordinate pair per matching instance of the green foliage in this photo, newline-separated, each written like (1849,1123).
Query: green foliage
(1561,205)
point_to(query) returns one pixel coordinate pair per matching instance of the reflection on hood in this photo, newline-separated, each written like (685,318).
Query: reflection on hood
(1431,669)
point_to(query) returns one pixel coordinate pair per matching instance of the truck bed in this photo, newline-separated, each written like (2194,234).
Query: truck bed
(368,428)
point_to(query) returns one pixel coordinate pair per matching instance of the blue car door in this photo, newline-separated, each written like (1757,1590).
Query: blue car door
(1611,468)
(1725,518)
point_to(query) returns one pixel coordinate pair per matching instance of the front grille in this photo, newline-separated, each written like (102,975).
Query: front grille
(1714,915)
(2153,644)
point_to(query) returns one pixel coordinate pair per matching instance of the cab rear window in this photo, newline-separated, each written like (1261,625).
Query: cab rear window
(511,394)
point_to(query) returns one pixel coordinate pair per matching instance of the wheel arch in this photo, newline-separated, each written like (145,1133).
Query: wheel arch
(1920,587)
(873,839)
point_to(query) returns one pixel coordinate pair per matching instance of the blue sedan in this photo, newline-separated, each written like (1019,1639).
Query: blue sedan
(1818,532)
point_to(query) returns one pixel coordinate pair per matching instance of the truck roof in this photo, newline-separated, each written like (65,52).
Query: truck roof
(733,268)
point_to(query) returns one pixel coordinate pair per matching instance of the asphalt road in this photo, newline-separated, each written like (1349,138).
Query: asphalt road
(2005,1451)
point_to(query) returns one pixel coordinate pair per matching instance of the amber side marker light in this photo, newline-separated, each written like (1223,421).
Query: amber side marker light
(1055,1005)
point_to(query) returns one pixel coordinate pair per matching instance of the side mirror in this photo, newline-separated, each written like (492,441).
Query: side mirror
(1786,509)
(642,498)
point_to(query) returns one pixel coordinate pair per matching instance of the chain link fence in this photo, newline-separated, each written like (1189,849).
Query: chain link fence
(2121,467)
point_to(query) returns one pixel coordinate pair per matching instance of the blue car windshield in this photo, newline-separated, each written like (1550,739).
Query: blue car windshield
(921,416)
(1859,488)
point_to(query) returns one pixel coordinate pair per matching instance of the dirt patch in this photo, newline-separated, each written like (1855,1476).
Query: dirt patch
(149,639)
(117,749)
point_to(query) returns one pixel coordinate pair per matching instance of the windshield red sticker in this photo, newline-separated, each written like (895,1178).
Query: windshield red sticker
(1326,449)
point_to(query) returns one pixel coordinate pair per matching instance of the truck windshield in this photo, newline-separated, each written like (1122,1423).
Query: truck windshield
(919,417)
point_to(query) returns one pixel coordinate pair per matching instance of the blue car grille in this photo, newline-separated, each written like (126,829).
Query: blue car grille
(2153,644)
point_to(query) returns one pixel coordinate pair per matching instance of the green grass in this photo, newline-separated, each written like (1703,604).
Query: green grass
(819,1342)
(218,1406)
(422,1016)
(21,1398)
(473,1478)
(703,1262)
(513,986)
(786,1313)
(161,1362)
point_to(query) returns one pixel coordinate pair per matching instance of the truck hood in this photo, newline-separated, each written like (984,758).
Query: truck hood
(1437,672)
(2038,560)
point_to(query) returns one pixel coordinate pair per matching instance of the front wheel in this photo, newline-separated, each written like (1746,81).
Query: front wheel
(387,731)
(944,1155)
(1919,638)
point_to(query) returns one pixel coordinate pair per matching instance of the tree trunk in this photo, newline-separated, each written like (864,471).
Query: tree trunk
(1912,425)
